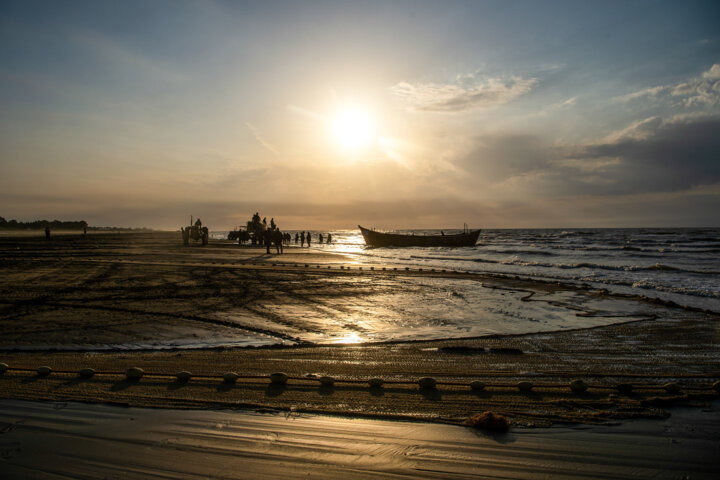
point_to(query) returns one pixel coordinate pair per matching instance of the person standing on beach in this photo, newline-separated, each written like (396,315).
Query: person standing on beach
(308,239)
(278,240)
(297,237)
(329,238)
(320,238)
(302,238)
(267,238)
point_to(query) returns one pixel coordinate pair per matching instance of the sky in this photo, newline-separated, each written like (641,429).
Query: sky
(390,114)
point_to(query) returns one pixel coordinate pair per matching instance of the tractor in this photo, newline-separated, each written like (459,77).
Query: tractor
(195,232)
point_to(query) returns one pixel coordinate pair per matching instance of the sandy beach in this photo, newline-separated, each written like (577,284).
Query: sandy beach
(115,301)
(60,439)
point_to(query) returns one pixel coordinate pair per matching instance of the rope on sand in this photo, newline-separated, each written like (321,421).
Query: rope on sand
(577,386)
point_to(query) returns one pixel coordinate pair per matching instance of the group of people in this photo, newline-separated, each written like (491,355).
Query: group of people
(303,237)
(273,236)
(261,232)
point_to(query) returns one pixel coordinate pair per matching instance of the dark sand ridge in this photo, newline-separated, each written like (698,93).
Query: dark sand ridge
(138,288)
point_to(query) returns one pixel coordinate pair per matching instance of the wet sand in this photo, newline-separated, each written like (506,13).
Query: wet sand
(71,440)
(114,301)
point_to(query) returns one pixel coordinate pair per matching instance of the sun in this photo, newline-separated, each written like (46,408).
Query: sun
(353,129)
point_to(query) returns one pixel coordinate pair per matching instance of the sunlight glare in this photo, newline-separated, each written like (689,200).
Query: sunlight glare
(353,129)
(350,338)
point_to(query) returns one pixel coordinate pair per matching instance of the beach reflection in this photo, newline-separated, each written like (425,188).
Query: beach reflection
(360,308)
(350,338)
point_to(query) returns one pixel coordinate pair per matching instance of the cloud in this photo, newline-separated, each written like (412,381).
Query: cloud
(552,108)
(702,91)
(567,103)
(646,92)
(636,130)
(659,155)
(259,137)
(651,155)
(497,158)
(467,93)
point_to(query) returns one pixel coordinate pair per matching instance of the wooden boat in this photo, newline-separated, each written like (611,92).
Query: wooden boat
(379,239)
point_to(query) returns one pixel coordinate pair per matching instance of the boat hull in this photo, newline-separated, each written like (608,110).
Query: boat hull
(379,239)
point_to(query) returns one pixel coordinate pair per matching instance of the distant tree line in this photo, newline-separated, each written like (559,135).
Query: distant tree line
(41,224)
(60,225)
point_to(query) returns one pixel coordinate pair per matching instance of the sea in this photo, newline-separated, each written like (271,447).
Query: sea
(676,264)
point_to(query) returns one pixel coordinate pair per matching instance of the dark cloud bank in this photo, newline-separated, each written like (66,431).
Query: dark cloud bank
(675,156)
(666,156)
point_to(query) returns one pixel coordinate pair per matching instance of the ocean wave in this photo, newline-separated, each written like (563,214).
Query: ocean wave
(647,285)
(452,259)
(698,292)
(630,248)
(577,233)
(597,266)
(672,262)
(543,253)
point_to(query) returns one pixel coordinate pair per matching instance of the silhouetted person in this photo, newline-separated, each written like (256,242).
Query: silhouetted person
(297,237)
(329,238)
(47,233)
(302,238)
(320,238)
(308,239)
(278,240)
(268,237)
